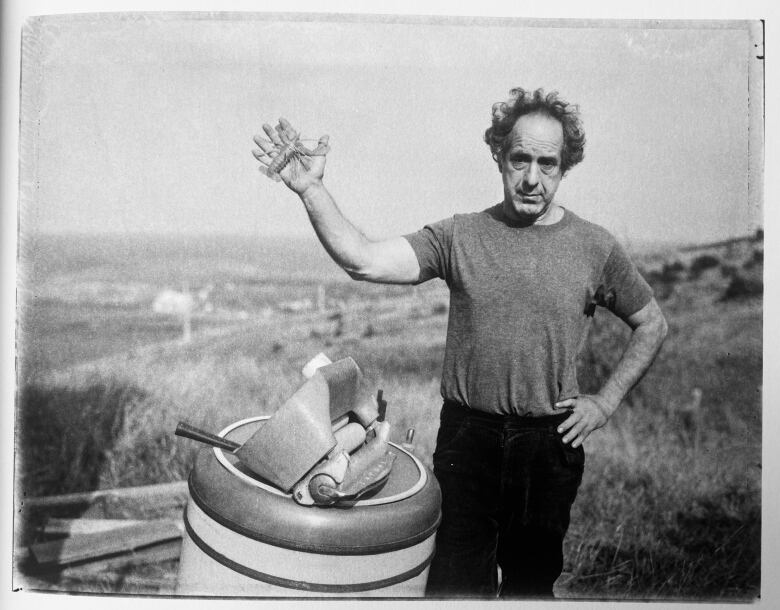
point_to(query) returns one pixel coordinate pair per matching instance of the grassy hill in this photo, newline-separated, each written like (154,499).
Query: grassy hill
(670,503)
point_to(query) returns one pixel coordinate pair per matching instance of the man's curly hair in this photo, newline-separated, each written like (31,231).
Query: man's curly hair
(521,102)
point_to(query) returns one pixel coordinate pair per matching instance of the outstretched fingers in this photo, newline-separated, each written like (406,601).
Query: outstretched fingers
(267,147)
(322,147)
(262,157)
(268,150)
(281,148)
(286,131)
(273,135)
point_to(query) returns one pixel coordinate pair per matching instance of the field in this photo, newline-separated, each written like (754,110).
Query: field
(670,507)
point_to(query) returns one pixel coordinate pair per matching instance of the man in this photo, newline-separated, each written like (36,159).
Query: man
(524,276)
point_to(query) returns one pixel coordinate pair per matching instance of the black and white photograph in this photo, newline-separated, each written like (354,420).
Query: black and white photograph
(361,306)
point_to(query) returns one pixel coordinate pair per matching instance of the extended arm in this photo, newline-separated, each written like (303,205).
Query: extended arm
(388,261)
(592,411)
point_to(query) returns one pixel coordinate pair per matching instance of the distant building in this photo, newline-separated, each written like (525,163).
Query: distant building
(180,304)
(171,302)
(297,306)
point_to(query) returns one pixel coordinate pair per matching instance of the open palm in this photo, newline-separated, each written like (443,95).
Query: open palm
(282,154)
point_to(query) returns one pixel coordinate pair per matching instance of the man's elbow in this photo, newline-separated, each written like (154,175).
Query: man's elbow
(658,327)
(387,262)
(650,322)
(379,275)
(365,271)
(360,265)
(360,274)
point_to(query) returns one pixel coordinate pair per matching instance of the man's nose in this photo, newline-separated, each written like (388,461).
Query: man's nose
(531,177)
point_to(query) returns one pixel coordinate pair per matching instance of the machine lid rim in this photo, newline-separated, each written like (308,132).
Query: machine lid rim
(308,546)
(222,459)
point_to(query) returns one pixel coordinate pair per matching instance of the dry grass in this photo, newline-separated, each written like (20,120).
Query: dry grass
(670,504)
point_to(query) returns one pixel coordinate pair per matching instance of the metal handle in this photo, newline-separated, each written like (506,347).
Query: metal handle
(408,444)
(196,434)
(382,405)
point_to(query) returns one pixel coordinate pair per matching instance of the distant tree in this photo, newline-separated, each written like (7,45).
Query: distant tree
(743,287)
(728,270)
(702,263)
(671,272)
(757,258)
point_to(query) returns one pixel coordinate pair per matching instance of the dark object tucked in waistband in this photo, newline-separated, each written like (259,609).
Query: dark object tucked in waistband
(455,410)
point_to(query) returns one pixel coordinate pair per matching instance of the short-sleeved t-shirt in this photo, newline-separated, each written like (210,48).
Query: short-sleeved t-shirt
(518,304)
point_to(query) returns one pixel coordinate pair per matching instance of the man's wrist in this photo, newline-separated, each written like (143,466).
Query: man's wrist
(606,404)
(311,191)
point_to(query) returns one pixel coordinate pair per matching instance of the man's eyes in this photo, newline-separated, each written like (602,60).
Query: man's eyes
(546,165)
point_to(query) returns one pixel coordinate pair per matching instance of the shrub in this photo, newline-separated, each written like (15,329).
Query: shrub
(743,287)
(673,268)
(757,258)
(670,272)
(65,433)
(702,263)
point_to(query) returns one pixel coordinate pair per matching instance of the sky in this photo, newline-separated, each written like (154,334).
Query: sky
(145,123)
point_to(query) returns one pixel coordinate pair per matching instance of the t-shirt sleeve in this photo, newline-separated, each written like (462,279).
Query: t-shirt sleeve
(631,290)
(432,245)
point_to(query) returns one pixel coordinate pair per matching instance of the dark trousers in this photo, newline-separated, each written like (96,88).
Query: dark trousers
(507,483)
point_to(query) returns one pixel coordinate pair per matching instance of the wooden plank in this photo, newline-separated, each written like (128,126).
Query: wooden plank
(143,491)
(156,553)
(67,527)
(109,507)
(82,547)
(98,582)
(119,573)
(58,527)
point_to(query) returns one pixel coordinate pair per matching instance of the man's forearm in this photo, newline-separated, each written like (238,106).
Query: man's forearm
(388,260)
(592,411)
(344,242)
(646,340)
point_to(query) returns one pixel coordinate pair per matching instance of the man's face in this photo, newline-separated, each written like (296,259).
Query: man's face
(531,167)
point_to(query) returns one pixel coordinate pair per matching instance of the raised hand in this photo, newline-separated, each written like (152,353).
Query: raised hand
(283,156)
